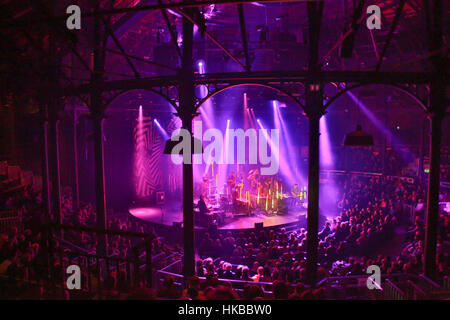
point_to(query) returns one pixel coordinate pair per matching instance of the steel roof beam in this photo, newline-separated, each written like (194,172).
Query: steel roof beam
(391,33)
(244,36)
(279,77)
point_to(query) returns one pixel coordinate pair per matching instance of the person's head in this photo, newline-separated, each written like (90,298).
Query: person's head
(260,271)
(299,288)
(252,292)
(245,272)
(280,290)
(224,293)
(192,293)
(194,282)
(168,281)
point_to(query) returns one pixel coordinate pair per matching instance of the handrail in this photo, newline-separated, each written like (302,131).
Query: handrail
(430,282)
(357,276)
(351,172)
(6,212)
(415,288)
(70,244)
(400,291)
(101,231)
(176,275)
(168,266)
(98,256)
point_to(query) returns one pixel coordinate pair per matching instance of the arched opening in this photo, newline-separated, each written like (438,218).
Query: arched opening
(396,120)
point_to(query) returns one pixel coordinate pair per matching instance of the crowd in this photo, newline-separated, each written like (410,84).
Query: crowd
(371,209)
(23,260)
(390,162)
(273,262)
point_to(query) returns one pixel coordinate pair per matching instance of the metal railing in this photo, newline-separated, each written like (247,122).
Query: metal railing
(392,292)
(398,286)
(95,267)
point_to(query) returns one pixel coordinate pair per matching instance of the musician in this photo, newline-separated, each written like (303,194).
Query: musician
(203,212)
(202,207)
(295,193)
(253,177)
(270,182)
(206,215)
(205,185)
(239,184)
(231,184)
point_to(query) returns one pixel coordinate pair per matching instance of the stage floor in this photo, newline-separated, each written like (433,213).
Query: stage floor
(167,216)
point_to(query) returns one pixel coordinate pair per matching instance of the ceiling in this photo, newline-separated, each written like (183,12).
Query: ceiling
(277,34)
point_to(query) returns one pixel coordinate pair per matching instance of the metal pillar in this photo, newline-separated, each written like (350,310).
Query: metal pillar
(46,193)
(53,162)
(76,185)
(100,199)
(437,110)
(53,108)
(97,108)
(437,106)
(187,110)
(314,111)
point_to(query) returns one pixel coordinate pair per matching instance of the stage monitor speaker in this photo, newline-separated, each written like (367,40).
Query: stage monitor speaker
(177,225)
(259,225)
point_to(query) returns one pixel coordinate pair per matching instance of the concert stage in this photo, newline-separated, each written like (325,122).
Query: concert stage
(167,216)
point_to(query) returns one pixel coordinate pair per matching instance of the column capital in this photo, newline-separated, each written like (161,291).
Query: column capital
(97,114)
(436,114)
(186,115)
(314,107)
(314,112)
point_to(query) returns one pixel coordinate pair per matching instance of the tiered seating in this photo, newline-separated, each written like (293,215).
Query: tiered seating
(13,178)
(12,181)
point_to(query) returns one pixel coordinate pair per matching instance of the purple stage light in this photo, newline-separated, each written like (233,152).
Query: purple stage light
(140,150)
(161,129)
(141,114)
(384,130)
(206,110)
(201,66)
(326,154)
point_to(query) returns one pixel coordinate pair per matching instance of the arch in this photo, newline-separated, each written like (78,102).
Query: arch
(413,96)
(212,94)
(117,95)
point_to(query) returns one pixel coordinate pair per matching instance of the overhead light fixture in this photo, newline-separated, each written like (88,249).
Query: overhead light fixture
(358,138)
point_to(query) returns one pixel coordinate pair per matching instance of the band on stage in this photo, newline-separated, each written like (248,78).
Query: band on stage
(244,197)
